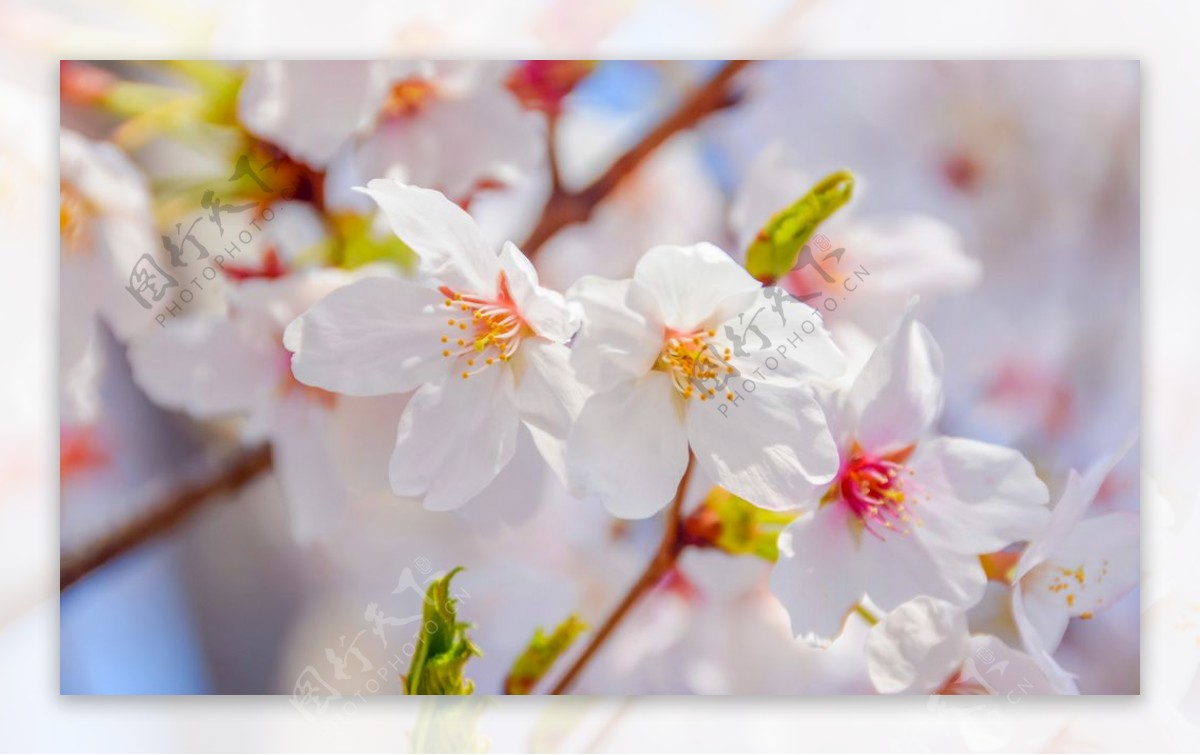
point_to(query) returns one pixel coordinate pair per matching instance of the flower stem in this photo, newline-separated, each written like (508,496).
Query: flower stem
(664,559)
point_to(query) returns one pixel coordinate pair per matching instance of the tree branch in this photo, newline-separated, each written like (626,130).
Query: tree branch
(165,516)
(565,208)
(664,559)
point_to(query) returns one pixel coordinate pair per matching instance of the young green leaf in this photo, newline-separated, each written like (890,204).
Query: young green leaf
(775,249)
(443,648)
(361,246)
(737,526)
(540,655)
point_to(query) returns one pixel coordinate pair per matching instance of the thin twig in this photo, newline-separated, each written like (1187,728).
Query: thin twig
(664,559)
(556,184)
(165,516)
(565,208)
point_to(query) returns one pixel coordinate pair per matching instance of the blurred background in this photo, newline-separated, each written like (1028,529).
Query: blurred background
(37,34)
(1004,194)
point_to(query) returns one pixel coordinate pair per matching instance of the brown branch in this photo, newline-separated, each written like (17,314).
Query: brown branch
(556,184)
(565,208)
(664,559)
(165,516)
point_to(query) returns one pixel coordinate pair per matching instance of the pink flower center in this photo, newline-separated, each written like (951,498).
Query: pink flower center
(486,330)
(878,488)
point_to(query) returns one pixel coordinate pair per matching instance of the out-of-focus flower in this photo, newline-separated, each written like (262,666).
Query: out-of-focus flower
(908,514)
(544,84)
(923,647)
(106,230)
(447,125)
(690,352)
(891,258)
(235,365)
(477,338)
(1078,566)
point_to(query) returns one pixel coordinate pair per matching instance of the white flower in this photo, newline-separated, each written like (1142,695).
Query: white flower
(446,124)
(908,514)
(924,647)
(479,340)
(235,365)
(692,351)
(1076,567)
(106,226)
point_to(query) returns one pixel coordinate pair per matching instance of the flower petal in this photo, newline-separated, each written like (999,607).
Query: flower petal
(548,397)
(1041,626)
(542,309)
(994,668)
(117,231)
(1094,566)
(898,395)
(771,333)
(310,108)
(772,447)
(454,437)
(1041,616)
(904,566)
(820,575)
(315,494)
(629,448)
(621,334)
(455,143)
(690,283)
(918,647)
(913,253)
(981,497)
(1077,496)
(377,335)
(449,243)
(362,437)
(207,366)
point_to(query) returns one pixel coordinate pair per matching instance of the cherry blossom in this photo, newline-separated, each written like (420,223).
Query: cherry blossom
(106,227)
(450,125)
(1077,567)
(234,365)
(691,353)
(476,338)
(910,512)
(924,647)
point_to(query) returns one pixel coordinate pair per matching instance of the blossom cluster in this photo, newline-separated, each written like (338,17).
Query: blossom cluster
(370,319)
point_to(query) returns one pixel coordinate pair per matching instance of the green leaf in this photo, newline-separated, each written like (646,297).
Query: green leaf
(777,246)
(739,527)
(540,655)
(360,246)
(443,648)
